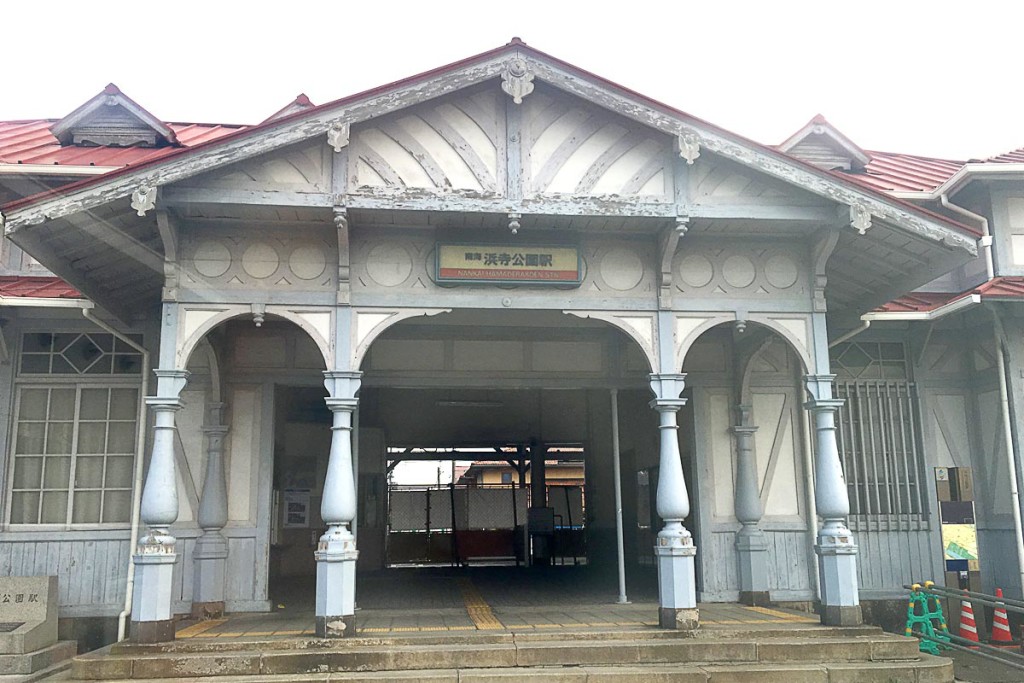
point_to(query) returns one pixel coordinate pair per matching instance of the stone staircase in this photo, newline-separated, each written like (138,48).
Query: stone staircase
(794,654)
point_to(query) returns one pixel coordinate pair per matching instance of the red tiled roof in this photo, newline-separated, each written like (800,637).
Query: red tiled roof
(922,302)
(37,288)
(31,142)
(1014,156)
(903,172)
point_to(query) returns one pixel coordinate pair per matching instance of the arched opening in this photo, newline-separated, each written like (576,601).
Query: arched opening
(485,445)
(254,439)
(746,449)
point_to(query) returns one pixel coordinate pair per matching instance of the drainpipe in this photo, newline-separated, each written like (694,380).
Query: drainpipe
(864,324)
(1011,457)
(140,445)
(986,239)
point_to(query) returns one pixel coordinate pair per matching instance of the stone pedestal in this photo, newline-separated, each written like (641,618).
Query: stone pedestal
(837,572)
(677,590)
(152,621)
(29,649)
(752,554)
(336,585)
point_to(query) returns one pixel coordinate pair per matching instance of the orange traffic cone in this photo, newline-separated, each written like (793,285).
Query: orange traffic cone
(1001,636)
(968,629)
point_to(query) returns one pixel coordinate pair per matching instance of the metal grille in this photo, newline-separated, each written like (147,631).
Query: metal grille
(879,440)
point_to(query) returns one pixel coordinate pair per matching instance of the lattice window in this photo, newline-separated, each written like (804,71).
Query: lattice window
(73,353)
(73,452)
(879,433)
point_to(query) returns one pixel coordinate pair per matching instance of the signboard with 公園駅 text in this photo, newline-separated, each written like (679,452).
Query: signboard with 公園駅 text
(489,263)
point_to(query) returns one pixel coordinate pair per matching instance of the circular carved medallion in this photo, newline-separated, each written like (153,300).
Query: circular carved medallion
(696,270)
(260,260)
(621,269)
(212,258)
(738,271)
(388,265)
(780,271)
(307,262)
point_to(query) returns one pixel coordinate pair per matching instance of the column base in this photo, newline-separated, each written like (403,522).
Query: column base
(678,619)
(752,556)
(336,627)
(336,584)
(836,615)
(755,598)
(677,584)
(208,610)
(149,632)
(209,559)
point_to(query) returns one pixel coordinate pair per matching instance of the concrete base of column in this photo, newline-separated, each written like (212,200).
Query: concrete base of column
(336,627)
(151,597)
(755,598)
(752,556)
(835,615)
(677,580)
(336,585)
(837,572)
(678,619)
(148,632)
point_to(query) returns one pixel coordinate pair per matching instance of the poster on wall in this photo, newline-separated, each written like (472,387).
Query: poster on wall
(296,509)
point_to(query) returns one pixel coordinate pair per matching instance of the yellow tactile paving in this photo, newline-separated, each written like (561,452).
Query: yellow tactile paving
(784,616)
(477,608)
(201,627)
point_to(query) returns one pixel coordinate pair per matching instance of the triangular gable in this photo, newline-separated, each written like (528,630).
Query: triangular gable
(112,119)
(820,143)
(519,67)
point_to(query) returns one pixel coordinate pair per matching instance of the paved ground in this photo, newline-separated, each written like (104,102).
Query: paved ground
(481,599)
(973,669)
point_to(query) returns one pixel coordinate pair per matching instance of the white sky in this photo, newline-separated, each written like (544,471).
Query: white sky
(935,78)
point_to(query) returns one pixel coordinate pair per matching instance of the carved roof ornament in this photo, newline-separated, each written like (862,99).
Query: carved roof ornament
(513,222)
(860,218)
(341,218)
(682,225)
(516,80)
(337,135)
(689,147)
(144,199)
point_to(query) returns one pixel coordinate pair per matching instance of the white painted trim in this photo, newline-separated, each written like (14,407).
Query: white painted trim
(933,314)
(54,169)
(44,302)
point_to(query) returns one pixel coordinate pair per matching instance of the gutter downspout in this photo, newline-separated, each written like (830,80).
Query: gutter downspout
(986,239)
(140,445)
(864,324)
(1011,456)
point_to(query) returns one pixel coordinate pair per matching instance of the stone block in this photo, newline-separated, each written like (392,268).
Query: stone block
(40,659)
(542,675)
(815,650)
(28,613)
(646,674)
(766,673)
(242,664)
(893,648)
(894,672)
(575,653)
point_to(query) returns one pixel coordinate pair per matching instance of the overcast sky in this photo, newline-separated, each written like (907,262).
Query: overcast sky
(934,78)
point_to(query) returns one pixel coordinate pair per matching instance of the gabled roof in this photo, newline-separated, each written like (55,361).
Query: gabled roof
(891,172)
(1014,156)
(302,125)
(822,144)
(29,143)
(97,111)
(1006,288)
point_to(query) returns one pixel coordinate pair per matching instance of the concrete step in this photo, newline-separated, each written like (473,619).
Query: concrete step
(927,670)
(501,651)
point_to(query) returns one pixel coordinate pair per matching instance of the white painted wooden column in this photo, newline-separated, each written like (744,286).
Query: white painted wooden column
(155,554)
(751,544)
(211,551)
(336,553)
(675,552)
(836,547)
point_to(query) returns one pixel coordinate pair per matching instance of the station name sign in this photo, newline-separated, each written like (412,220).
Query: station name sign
(477,263)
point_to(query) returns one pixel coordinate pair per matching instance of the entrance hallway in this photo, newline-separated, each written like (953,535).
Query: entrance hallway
(496,599)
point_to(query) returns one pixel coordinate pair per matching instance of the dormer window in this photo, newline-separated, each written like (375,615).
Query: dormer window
(112,119)
(820,143)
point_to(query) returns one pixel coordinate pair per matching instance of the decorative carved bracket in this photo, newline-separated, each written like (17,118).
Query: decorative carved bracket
(168,230)
(338,135)
(689,147)
(516,80)
(259,314)
(514,222)
(341,223)
(860,218)
(667,247)
(820,254)
(144,199)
